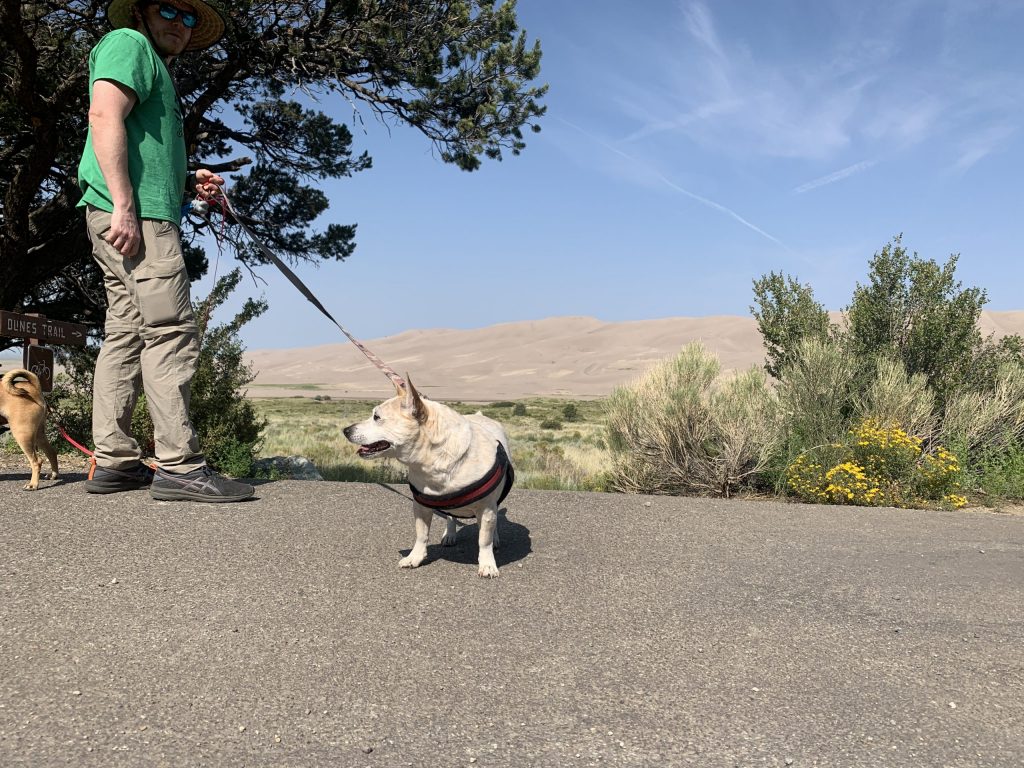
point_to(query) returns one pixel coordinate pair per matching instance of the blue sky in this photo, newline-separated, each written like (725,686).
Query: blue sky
(689,148)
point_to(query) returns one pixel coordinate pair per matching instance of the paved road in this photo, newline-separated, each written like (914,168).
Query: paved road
(624,631)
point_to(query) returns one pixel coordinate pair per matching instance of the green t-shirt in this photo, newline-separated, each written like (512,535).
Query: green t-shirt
(155,134)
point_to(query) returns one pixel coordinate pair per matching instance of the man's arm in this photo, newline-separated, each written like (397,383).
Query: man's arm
(111,103)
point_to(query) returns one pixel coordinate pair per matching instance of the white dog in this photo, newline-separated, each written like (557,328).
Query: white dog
(458,466)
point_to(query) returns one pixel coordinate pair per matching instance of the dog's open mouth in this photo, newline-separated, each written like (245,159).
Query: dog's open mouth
(366,451)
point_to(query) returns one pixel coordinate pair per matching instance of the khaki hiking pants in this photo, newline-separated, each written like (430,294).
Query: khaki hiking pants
(150,339)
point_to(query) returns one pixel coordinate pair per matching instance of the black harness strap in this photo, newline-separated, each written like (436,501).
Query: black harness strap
(444,503)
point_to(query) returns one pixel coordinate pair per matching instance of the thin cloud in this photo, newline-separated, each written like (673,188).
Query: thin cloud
(672,185)
(728,93)
(655,126)
(701,26)
(982,145)
(839,175)
(720,94)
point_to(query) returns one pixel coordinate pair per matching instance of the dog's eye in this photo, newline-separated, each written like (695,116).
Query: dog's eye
(376,417)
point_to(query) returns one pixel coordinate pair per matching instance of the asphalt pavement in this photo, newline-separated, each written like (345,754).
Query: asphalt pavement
(623,631)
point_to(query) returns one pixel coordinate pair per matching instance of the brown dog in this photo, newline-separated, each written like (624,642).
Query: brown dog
(24,408)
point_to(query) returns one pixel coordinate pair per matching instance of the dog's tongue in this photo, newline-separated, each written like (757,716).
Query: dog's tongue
(380,445)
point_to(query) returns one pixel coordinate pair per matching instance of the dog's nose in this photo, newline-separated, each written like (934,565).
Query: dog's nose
(347,431)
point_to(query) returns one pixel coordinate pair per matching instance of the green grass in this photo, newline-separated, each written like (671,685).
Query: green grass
(573,457)
(1000,476)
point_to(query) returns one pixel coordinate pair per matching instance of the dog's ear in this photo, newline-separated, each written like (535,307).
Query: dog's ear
(413,404)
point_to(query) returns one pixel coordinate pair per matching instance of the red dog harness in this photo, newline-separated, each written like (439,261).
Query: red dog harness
(443,504)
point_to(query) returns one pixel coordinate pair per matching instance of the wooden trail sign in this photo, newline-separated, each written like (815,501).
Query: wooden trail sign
(17,326)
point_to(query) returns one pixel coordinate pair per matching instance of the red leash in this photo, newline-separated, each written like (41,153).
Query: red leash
(92,458)
(71,440)
(82,448)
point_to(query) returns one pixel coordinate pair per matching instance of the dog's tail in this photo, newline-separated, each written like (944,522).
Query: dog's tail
(29,388)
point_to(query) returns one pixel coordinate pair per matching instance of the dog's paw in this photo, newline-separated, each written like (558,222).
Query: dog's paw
(30,487)
(410,562)
(487,571)
(448,540)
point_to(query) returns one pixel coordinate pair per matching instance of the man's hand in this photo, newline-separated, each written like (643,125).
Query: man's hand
(208,185)
(125,233)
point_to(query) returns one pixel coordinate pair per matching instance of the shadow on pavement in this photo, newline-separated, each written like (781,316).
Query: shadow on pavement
(515,542)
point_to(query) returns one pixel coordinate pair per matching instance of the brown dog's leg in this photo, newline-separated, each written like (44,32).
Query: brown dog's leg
(25,435)
(43,442)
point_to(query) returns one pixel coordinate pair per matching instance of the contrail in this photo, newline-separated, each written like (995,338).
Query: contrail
(672,185)
(837,176)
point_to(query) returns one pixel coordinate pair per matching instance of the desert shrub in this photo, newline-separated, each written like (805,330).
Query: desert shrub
(655,424)
(938,476)
(787,314)
(677,431)
(519,409)
(815,395)
(915,310)
(877,465)
(550,424)
(995,474)
(893,397)
(225,420)
(503,404)
(71,408)
(570,412)
(984,371)
(70,402)
(981,422)
(910,309)
(747,428)
(808,475)
(229,455)
(142,426)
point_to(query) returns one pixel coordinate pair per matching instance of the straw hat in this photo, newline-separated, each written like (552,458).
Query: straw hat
(207,31)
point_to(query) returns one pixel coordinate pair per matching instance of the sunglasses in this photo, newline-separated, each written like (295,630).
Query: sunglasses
(170,13)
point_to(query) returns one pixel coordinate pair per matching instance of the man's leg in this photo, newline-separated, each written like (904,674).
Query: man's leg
(169,357)
(118,371)
(156,346)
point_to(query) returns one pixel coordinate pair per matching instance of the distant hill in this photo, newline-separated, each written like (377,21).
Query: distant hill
(559,356)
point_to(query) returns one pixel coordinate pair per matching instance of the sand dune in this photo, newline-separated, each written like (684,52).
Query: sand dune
(559,356)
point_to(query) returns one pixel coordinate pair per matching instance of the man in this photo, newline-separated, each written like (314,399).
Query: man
(133,178)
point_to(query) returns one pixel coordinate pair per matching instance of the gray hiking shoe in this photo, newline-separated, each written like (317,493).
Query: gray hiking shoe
(199,485)
(107,480)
